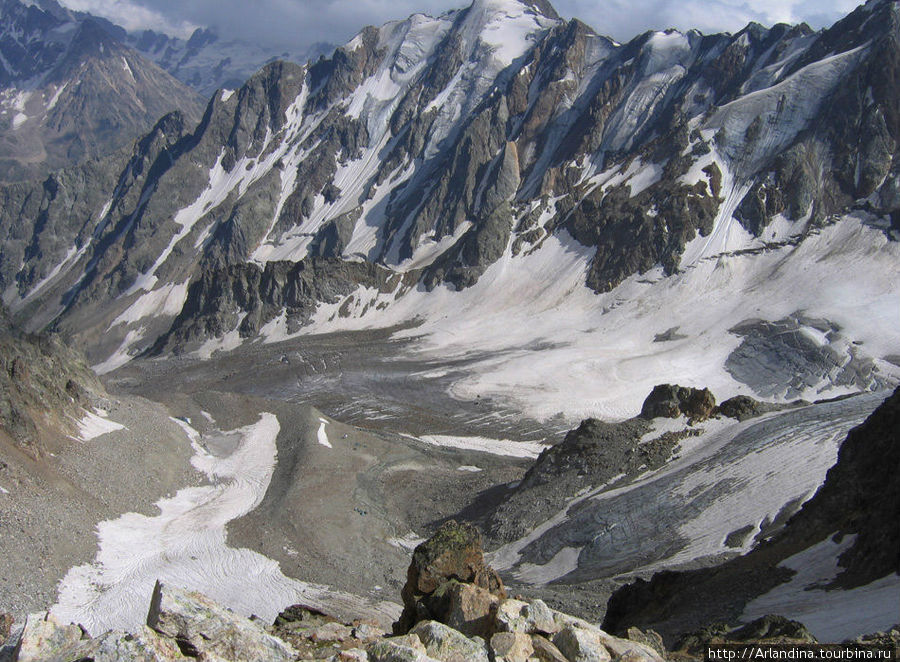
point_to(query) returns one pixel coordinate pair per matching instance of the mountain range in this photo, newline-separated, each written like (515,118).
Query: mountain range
(491,222)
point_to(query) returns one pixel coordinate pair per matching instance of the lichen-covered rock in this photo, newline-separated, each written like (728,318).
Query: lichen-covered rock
(350,655)
(143,646)
(451,556)
(200,626)
(448,645)
(44,638)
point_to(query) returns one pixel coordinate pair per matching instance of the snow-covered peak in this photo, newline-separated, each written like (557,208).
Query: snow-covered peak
(506,28)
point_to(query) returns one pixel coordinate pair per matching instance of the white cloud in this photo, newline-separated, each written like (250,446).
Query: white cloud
(298,23)
(133,15)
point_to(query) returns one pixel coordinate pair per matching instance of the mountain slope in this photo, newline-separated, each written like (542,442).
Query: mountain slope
(834,565)
(517,167)
(71,91)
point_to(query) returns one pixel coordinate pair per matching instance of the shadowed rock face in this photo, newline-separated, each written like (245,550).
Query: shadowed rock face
(860,496)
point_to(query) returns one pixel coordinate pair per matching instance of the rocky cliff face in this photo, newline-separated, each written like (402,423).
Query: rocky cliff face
(434,144)
(70,91)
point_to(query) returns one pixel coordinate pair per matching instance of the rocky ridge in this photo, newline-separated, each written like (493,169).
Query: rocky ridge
(45,388)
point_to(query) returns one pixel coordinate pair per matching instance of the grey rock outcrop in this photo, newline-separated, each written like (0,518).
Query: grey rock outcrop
(672,401)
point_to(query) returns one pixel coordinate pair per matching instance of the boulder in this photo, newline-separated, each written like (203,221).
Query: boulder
(44,638)
(453,553)
(671,401)
(143,646)
(580,645)
(545,651)
(464,607)
(529,617)
(200,626)
(742,407)
(407,648)
(448,645)
(511,647)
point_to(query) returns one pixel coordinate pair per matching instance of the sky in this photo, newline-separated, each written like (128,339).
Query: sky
(295,24)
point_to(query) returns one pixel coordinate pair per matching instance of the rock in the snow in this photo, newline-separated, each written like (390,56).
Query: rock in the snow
(449,645)
(511,647)
(200,626)
(742,407)
(44,638)
(671,401)
(453,553)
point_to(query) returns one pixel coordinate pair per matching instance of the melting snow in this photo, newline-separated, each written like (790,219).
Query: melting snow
(408,542)
(321,435)
(92,426)
(507,447)
(185,545)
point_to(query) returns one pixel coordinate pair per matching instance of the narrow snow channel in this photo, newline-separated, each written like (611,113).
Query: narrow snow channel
(185,544)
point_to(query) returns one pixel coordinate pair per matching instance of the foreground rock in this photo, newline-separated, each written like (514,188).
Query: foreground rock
(201,627)
(448,581)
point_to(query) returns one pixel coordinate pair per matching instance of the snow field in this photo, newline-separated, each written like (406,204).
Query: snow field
(185,545)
